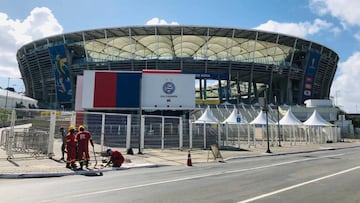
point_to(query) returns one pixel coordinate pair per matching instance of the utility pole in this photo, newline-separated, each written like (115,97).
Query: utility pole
(278,118)
(266,109)
(7,92)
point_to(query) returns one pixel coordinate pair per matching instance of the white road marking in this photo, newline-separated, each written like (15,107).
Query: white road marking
(186,178)
(299,185)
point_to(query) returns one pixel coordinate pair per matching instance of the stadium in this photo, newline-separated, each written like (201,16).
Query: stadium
(185,86)
(230,64)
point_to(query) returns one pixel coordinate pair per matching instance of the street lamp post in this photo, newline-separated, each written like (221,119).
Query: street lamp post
(267,131)
(7,92)
(278,118)
(266,109)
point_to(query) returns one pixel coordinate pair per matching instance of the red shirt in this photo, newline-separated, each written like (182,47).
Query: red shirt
(70,140)
(83,137)
(117,158)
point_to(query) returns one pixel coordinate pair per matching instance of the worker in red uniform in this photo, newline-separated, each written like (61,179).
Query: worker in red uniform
(116,158)
(83,137)
(70,143)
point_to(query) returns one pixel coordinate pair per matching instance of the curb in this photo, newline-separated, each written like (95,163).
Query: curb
(295,152)
(99,172)
(92,172)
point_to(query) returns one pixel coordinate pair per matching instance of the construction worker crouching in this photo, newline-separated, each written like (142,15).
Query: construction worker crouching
(115,158)
(70,143)
(83,137)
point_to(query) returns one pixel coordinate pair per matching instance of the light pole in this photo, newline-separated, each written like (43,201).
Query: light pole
(266,109)
(278,118)
(7,92)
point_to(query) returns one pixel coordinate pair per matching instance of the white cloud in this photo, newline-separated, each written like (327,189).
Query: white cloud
(345,10)
(301,29)
(14,33)
(335,30)
(357,36)
(346,83)
(157,21)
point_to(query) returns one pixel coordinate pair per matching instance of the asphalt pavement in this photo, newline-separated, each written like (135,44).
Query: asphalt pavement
(34,166)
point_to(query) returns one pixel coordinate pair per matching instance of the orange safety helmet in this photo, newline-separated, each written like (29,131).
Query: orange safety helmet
(71,127)
(81,128)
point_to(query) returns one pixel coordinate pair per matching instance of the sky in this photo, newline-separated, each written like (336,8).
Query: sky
(332,23)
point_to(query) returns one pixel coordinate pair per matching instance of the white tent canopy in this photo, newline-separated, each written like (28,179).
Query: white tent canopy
(290,119)
(316,120)
(235,118)
(207,117)
(261,119)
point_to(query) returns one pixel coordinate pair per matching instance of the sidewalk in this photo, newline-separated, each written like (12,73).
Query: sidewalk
(32,167)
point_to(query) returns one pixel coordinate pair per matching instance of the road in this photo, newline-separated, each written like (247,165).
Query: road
(327,176)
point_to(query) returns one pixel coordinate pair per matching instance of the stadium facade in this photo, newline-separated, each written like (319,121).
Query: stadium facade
(241,62)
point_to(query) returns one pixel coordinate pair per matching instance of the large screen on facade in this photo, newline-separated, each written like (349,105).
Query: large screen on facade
(111,90)
(167,90)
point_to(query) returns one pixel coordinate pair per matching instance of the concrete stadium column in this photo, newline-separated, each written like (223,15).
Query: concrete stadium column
(219,91)
(200,89)
(205,96)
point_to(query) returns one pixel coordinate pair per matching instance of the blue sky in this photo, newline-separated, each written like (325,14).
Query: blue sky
(332,23)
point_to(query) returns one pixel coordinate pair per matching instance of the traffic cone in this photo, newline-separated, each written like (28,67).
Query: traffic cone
(189,163)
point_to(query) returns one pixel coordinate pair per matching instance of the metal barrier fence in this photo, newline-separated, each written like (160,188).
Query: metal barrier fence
(239,135)
(32,132)
(25,141)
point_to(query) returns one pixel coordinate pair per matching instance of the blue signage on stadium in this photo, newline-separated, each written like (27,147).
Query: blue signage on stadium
(214,76)
(62,73)
(310,74)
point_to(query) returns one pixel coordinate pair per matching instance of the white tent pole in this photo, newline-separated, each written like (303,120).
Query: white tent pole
(253,127)
(204,132)
(313,135)
(219,135)
(248,132)
(307,134)
(238,130)
(294,134)
(263,132)
(301,132)
(226,133)
(272,135)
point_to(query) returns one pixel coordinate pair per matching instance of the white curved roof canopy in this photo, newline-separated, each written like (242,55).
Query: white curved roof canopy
(10,99)
(168,42)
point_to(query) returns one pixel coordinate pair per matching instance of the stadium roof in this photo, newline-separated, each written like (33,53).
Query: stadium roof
(167,42)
